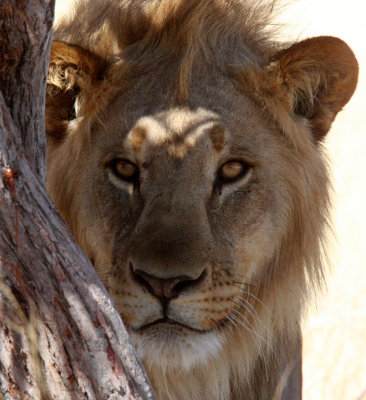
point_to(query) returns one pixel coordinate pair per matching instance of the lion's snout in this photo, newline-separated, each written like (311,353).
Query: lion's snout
(169,252)
(166,288)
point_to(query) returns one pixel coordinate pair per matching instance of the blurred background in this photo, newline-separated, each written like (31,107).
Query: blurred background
(335,330)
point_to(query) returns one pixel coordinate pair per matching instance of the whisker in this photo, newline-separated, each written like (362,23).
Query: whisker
(259,301)
(246,303)
(256,318)
(254,315)
(244,306)
(241,323)
(258,335)
(239,285)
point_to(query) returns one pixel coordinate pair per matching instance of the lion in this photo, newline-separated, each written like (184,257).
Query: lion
(185,152)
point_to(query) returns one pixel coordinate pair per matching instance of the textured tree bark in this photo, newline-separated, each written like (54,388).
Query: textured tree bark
(60,334)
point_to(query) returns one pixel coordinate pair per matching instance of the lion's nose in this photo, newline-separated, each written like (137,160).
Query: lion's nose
(169,288)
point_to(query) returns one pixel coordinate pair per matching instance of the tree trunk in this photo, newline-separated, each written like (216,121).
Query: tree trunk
(60,334)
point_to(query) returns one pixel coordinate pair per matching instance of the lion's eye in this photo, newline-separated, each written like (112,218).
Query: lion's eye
(125,170)
(233,170)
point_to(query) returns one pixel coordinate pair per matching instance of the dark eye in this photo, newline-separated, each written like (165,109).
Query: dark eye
(233,170)
(125,170)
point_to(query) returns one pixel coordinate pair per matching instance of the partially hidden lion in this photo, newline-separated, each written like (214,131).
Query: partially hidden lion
(185,153)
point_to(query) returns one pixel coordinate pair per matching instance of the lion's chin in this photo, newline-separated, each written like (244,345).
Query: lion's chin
(175,346)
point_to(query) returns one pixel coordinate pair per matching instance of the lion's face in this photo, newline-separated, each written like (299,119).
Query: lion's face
(180,211)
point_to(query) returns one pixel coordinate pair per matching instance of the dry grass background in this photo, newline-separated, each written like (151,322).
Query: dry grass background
(335,331)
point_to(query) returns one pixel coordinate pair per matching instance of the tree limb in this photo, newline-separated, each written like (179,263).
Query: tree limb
(61,336)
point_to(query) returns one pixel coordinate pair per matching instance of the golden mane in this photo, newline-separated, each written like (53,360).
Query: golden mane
(221,32)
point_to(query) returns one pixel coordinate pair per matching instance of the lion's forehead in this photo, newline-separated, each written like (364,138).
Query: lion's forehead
(194,132)
(176,130)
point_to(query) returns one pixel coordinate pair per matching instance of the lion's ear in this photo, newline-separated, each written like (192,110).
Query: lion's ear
(321,75)
(72,75)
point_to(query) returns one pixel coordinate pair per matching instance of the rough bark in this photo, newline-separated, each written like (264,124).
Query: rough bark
(60,334)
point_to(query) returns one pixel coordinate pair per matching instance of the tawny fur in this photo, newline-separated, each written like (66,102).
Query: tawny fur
(148,79)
